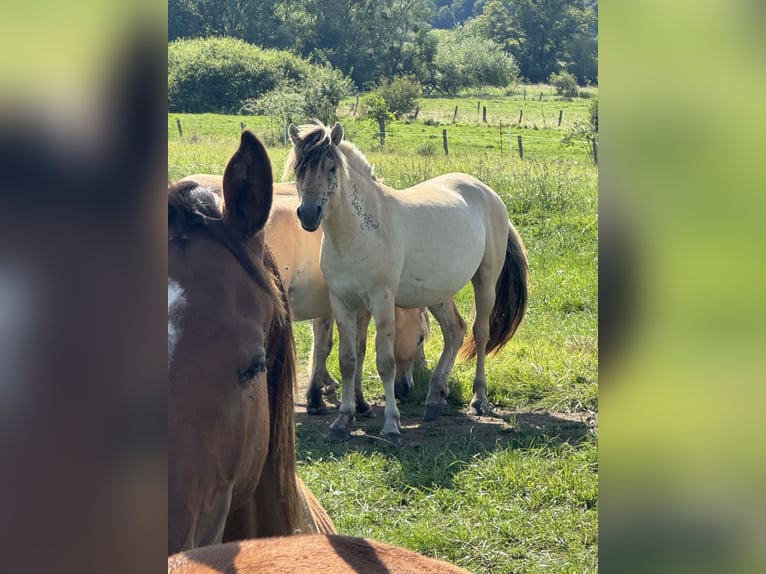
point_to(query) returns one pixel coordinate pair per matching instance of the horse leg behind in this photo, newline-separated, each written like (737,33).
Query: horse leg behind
(484,294)
(320,377)
(453,329)
(363,408)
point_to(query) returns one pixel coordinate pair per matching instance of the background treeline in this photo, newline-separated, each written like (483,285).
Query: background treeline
(371,40)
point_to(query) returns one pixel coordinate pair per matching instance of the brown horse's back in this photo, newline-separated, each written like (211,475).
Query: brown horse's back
(307,554)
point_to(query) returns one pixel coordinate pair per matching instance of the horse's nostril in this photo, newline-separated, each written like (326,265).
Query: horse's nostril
(319,210)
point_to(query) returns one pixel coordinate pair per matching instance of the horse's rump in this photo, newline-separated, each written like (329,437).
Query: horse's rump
(307,554)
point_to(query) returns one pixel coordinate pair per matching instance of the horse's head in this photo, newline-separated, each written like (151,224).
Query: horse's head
(227,346)
(412,329)
(319,166)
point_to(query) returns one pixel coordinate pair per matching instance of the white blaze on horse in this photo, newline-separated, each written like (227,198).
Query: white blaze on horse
(413,248)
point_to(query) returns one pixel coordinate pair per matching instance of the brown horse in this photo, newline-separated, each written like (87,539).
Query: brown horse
(231,361)
(297,254)
(307,554)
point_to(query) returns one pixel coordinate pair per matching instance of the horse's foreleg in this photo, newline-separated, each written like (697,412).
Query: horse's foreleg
(453,329)
(346,321)
(484,292)
(363,408)
(383,310)
(320,350)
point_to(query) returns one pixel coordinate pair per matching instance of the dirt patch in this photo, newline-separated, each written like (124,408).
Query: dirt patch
(503,427)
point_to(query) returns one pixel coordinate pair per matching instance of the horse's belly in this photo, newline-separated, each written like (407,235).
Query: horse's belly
(428,285)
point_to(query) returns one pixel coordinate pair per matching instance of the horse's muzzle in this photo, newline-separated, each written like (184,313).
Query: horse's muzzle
(310,216)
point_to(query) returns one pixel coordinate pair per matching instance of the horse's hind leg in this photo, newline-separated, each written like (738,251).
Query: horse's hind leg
(453,329)
(363,408)
(320,350)
(484,292)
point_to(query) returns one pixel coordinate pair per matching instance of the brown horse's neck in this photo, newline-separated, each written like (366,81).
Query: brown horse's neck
(274,510)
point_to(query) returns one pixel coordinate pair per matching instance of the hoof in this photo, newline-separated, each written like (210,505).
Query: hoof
(365,413)
(317,409)
(339,435)
(394,438)
(481,408)
(434,411)
(401,390)
(363,408)
(315,405)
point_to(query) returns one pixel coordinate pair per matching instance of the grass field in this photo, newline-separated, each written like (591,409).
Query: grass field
(512,493)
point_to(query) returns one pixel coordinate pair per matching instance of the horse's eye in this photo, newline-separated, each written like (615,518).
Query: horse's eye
(256,368)
(422,338)
(333,169)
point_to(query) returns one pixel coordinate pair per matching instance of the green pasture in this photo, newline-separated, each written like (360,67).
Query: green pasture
(524,499)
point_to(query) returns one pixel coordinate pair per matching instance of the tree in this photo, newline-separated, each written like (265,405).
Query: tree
(376,110)
(400,94)
(544,36)
(465,60)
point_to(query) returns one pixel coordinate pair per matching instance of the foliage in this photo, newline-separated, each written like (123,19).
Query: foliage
(369,40)
(232,76)
(464,60)
(400,94)
(565,83)
(376,110)
(544,35)
(218,74)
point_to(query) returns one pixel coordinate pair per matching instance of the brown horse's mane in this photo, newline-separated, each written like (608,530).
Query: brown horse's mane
(196,209)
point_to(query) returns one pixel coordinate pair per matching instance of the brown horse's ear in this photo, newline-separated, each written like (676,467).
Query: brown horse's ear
(336,135)
(295,134)
(248,186)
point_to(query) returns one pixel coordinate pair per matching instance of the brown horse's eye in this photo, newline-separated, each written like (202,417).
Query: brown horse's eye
(257,367)
(422,338)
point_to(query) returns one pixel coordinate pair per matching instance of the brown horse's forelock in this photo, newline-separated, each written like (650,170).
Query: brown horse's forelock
(193,208)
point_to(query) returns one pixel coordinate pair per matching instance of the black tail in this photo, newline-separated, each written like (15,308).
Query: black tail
(510,299)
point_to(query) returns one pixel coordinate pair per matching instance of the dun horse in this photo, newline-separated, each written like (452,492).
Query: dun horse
(414,248)
(309,554)
(297,254)
(231,438)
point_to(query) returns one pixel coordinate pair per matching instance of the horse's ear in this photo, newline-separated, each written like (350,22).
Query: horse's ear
(248,186)
(336,135)
(295,134)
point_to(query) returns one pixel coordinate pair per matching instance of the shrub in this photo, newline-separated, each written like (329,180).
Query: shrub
(565,83)
(226,75)
(465,60)
(401,95)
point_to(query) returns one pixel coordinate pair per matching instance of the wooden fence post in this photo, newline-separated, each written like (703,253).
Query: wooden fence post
(454,116)
(521,113)
(521,148)
(444,142)
(541,96)
(417,111)
(180,129)
(561,113)
(484,114)
(525,94)
(501,138)
(478,107)
(242,125)
(594,143)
